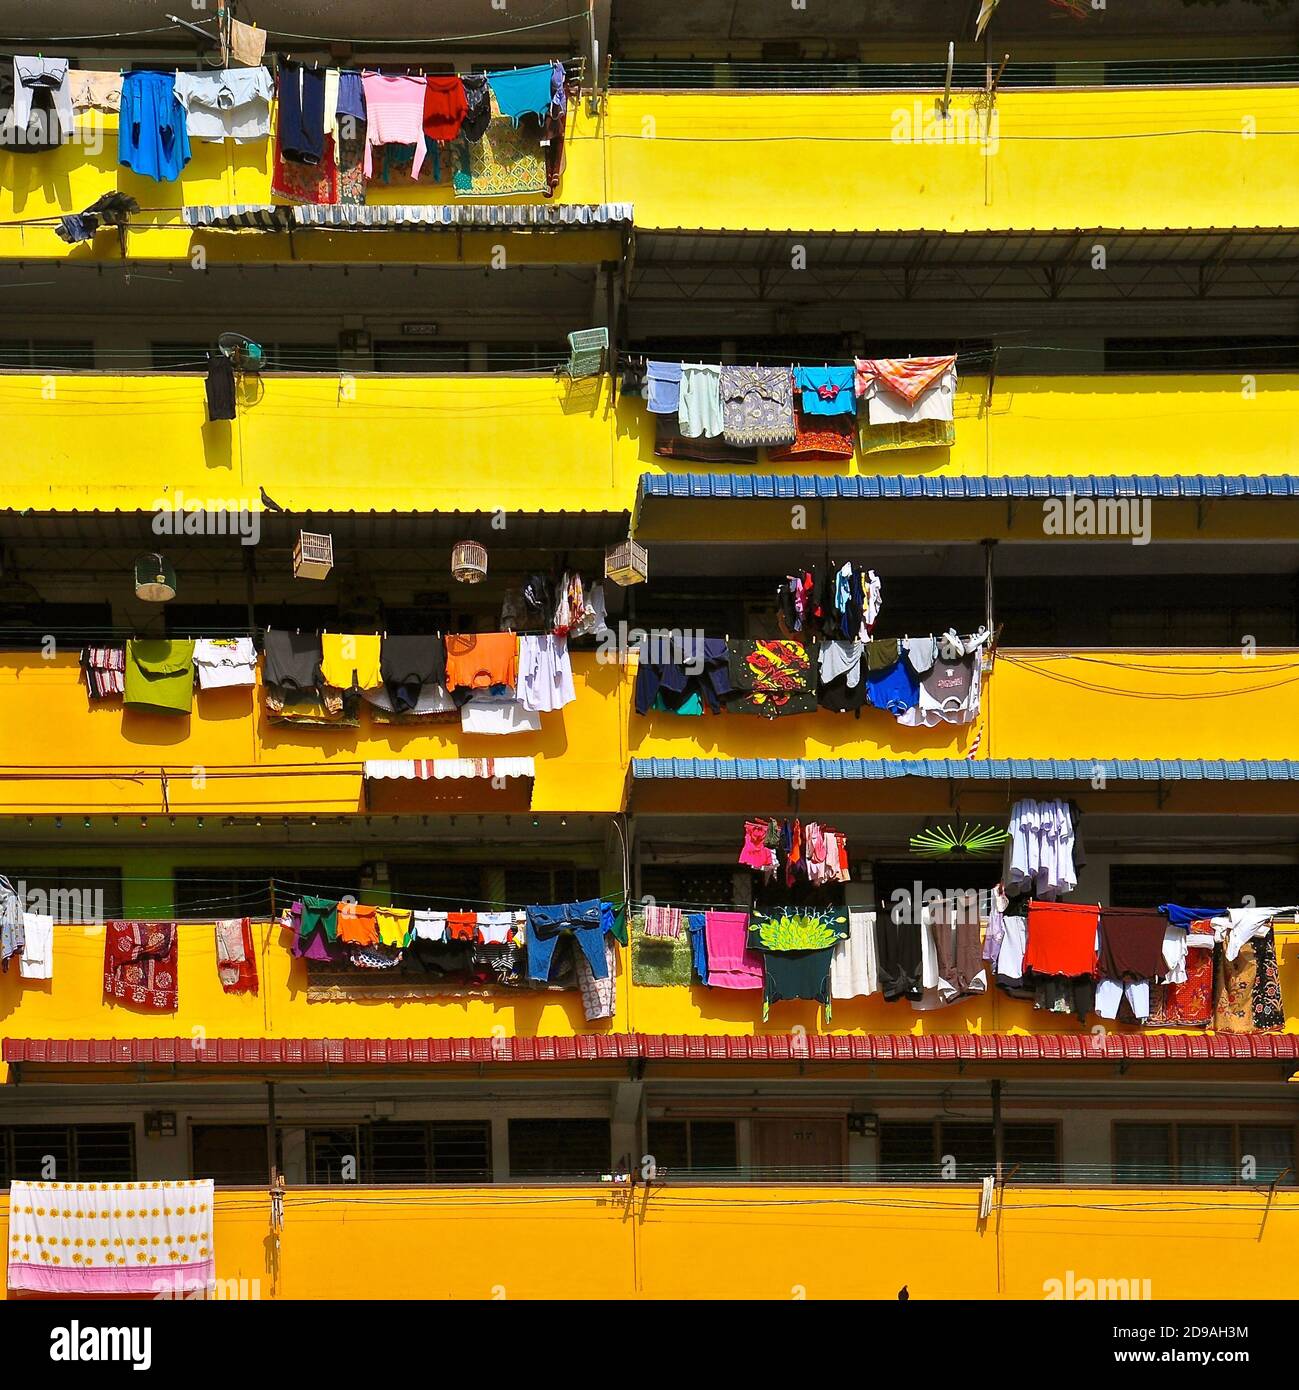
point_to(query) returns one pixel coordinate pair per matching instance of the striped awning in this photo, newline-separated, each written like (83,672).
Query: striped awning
(967,769)
(440,769)
(416,217)
(1077,1047)
(781,487)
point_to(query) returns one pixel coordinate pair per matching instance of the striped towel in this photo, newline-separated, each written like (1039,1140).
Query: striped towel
(663,921)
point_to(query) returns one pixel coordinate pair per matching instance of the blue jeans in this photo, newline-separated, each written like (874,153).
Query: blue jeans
(547,924)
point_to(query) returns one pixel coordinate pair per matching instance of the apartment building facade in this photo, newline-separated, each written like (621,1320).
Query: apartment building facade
(1096,219)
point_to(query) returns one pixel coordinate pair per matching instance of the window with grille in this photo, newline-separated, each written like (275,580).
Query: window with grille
(451,884)
(695,1148)
(67,1153)
(1217,1154)
(1202,885)
(71,893)
(918,1150)
(386,1151)
(567,1148)
(247,892)
(689,885)
(555,885)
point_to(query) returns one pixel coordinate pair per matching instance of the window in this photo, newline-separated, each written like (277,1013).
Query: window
(77,1153)
(438,1152)
(692,1147)
(696,885)
(414,355)
(401,1152)
(229,1153)
(917,1150)
(1221,1154)
(334,1155)
(560,885)
(180,357)
(71,894)
(559,1148)
(1202,885)
(59,354)
(449,884)
(247,892)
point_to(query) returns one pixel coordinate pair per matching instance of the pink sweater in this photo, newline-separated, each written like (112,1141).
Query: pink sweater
(394,115)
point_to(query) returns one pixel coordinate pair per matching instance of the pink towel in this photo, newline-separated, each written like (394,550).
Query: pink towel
(731,965)
(663,921)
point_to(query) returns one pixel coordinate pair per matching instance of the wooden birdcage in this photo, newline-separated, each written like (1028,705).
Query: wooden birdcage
(626,563)
(155,579)
(313,555)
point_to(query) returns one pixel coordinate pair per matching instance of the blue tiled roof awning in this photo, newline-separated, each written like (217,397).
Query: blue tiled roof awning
(784,487)
(966,770)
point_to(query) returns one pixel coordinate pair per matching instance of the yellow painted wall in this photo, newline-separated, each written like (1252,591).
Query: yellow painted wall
(814,161)
(228,758)
(327,442)
(803,1242)
(71,1005)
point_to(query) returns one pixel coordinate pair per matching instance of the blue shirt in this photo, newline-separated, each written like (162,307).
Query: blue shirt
(895,688)
(825,390)
(522,91)
(152,138)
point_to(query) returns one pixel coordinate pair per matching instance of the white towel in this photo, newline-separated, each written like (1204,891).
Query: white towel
(854,967)
(37,961)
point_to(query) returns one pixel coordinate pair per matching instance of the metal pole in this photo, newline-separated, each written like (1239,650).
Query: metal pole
(270,1132)
(998,1131)
(989,614)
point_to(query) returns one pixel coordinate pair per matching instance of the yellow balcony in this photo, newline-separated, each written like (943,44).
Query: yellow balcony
(808,161)
(531,443)
(586,1241)
(227,757)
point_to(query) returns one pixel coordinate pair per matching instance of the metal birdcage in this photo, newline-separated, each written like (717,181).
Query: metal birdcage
(469,561)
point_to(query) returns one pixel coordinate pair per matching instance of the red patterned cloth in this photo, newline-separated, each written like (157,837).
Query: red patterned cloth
(236,959)
(908,377)
(140,964)
(1186,1005)
(306,183)
(817,438)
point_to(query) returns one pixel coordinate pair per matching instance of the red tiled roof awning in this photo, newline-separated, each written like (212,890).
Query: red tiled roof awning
(667,1047)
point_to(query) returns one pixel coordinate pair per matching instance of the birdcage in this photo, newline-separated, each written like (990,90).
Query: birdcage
(469,561)
(313,555)
(155,579)
(626,563)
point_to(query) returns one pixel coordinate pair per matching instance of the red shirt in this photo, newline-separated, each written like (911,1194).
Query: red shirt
(1062,938)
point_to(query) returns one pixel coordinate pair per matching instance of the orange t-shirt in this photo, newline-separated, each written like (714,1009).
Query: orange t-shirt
(463,926)
(477,660)
(357,925)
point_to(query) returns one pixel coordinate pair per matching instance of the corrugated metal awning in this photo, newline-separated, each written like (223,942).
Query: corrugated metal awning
(441,769)
(366,529)
(901,487)
(667,1047)
(410,217)
(966,769)
(869,246)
